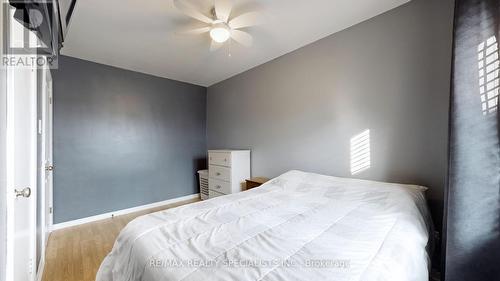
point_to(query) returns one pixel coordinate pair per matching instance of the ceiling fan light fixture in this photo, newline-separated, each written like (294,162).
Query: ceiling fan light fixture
(220,33)
(220,25)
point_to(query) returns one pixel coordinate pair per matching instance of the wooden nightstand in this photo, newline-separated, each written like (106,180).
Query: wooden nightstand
(256,181)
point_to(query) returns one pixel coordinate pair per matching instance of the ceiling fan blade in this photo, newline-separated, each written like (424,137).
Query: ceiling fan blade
(245,20)
(214,46)
(223,9)
(242,37)
(191,11)
(195,31)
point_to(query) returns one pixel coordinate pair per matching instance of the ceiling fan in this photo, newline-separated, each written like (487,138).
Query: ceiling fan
(219,25)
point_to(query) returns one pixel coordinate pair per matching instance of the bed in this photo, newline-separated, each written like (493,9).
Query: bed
(298,226)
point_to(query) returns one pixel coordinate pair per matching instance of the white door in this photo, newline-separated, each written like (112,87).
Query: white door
(21,168)
(21,173)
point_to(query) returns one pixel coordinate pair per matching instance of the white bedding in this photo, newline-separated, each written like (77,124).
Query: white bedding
(299,226)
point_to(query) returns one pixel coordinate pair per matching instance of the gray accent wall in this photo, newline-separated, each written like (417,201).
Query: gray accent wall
(123,139)
(390,74)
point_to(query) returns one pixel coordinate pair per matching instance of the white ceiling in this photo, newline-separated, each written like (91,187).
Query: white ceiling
(141,35)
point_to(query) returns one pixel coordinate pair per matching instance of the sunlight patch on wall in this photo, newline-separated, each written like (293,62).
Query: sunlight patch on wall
(360,152)
(489,66)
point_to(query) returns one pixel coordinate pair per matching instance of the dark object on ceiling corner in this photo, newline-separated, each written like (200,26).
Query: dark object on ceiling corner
(65,11)
(48,19)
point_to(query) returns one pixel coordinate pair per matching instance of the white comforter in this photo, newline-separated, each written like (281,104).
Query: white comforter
(299,226)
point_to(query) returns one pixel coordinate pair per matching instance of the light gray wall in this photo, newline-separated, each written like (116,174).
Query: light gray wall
(390,74)
(123,139)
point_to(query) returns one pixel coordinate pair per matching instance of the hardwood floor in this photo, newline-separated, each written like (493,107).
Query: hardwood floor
(75,253)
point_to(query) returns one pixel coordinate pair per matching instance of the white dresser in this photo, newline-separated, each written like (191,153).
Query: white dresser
(227,171)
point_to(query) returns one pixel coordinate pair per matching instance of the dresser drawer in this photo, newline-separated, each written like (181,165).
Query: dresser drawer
(212,194)
(219,186)
(219,158)
(219,173)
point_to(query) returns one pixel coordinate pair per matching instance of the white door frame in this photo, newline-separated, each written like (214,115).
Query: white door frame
(45,191)
(3,149)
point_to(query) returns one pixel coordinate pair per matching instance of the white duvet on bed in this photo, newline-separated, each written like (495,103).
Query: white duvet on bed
(299,226)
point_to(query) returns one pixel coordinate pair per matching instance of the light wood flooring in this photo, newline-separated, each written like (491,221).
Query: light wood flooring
(75,253)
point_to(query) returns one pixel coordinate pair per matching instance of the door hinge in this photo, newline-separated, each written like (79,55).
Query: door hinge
(50,210)
(30,266)
(50,100)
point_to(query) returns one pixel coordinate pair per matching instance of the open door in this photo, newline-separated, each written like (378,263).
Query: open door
(21,174)
(21,166)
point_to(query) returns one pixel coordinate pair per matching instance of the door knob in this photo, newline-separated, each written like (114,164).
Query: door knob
(25,192)
(49,168)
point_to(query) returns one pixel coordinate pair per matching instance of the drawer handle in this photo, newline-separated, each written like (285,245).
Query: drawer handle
(218,187)
(217,174)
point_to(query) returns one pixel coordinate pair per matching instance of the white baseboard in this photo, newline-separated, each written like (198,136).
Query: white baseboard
(66,224)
